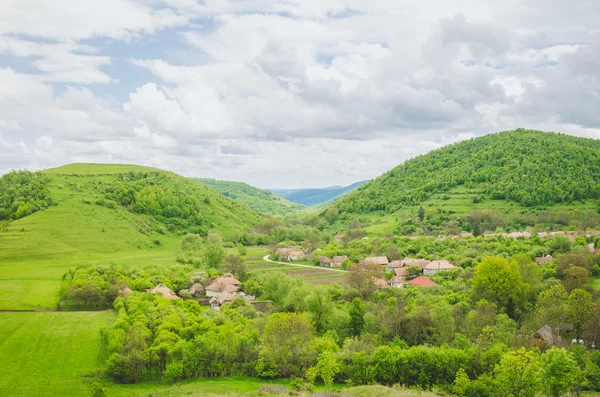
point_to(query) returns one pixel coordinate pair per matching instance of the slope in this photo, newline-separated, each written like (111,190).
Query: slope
(92,221)
(263,201)
(316,196)
(523,176)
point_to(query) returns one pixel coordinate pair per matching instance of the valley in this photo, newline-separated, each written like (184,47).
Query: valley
(388,285)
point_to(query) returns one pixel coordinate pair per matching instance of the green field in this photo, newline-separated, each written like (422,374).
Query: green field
(46,354)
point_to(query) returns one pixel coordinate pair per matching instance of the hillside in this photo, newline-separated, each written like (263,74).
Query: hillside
(88,213)
(263,201)
(312,197)
(528,168)
(513,180)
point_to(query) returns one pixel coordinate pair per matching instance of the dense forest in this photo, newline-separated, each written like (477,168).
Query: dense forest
(23,193)
(173,201)
(526,167)
(263,201)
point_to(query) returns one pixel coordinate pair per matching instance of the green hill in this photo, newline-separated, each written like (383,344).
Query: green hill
(313,197)
(259,200)
(97,213)
(520,173)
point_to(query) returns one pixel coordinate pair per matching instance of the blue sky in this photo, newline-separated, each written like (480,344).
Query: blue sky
(287,93)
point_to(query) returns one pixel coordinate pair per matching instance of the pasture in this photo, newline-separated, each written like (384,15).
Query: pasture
(49,353)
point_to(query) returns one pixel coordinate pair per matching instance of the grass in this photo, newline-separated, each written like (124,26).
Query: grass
(49,353)
(459,202)
(37,250)
(201,387)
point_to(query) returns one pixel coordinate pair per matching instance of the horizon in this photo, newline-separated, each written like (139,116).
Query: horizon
(287,94)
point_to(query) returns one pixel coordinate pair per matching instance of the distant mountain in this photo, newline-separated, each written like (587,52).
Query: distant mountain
(263,201)
(316,196)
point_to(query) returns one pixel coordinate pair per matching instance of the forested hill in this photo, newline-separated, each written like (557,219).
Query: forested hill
(263,201)
(316,196)
(526,167)
(102,208)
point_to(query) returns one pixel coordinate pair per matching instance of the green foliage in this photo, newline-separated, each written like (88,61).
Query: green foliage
(517,373)
(23,193)
(263,201)
(287,345)
(560,373)
(499,280)
(530,168)
(96,287)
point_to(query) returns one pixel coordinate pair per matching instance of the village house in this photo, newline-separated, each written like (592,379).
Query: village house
(437,266)
(324,261)
(336,261)
(222,285)
(217,301)
(196,289)
(376,260)
(422,282)
(125,291)
(540,260)
(295,256)
(339,237)
(401,272)
(394,265)
(379,283)
(422,263)
(396,282)
(164,291)
(544,338)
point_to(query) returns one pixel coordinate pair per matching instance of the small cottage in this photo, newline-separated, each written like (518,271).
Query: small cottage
(437,266)
(422,263)
(544,338)
(379,283)
(324,261)
(336,261)
(422,282)
(222,284)
(396,282)
(164,291)
(376,260)
(540,260)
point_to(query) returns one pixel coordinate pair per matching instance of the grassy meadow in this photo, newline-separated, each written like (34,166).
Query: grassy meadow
(49,353)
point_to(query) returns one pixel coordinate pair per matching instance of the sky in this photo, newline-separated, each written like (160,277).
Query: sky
(287,93)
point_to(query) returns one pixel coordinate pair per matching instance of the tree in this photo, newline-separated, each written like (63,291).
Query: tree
(517,373)
(581,309)
(128,363)
(235,265)
(560,373)
(551,308)
(357,317)
(326,369)
(575,277)
(214,251)
(288,344)
(499,280)
(421,213)
(191,243)
(319,307)
(414,270)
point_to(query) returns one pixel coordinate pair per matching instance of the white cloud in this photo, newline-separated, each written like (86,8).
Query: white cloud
(288,92)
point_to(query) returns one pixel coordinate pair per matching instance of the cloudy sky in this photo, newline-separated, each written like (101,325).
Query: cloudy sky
(287,93)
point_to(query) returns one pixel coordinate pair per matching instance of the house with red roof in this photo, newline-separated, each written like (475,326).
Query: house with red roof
(422,282)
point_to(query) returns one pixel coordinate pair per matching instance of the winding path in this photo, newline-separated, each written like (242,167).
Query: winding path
(266,259)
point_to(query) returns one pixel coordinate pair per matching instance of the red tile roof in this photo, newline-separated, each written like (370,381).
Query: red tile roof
(422,281)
